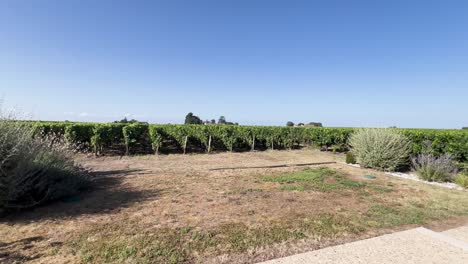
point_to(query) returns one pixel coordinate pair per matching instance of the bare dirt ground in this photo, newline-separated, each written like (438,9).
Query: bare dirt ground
(144,196)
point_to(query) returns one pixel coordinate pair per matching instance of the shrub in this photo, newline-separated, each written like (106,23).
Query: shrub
(32,170)
(462,180)
(382,149)
(350,159)
(432,168)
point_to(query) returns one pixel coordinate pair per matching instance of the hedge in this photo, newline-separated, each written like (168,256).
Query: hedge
(143,138)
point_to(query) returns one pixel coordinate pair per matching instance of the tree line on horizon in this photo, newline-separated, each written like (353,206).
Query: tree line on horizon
(191,119)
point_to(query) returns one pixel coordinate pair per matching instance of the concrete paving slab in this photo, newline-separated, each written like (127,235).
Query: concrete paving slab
(460,233)
(443,237)
(411,246)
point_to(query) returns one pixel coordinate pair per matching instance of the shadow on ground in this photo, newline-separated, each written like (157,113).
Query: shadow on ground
(10,254)
(107,193)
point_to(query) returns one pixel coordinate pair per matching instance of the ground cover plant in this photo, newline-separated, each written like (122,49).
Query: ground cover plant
(150,209)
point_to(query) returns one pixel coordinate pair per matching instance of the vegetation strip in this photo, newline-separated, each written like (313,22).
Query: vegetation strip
(275,166)
(139,138)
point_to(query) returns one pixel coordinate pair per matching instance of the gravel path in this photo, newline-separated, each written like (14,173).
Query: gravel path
(419,245)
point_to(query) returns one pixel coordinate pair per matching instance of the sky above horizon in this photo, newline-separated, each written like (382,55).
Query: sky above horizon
(342,63)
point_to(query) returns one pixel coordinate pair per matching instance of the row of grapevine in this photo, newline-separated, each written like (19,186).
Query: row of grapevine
(144,138)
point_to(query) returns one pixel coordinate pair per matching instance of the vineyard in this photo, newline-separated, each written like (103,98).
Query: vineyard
(140,138)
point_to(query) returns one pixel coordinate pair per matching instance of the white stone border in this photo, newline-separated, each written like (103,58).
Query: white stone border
(448,185)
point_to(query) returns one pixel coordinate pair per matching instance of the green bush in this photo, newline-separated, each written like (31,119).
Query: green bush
(350,159)
(382,149)
(34,170)
(462,180)
(432,168)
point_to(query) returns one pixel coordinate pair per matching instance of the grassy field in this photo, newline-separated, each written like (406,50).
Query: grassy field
(176,209)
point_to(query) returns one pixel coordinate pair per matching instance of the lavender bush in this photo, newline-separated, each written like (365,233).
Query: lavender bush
(432,168)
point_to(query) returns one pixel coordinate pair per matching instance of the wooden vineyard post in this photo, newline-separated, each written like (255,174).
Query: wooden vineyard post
(185,144)
(209,144)
(253,142)
(126,147)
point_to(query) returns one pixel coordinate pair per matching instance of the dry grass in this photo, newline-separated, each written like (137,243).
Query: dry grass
(172,209)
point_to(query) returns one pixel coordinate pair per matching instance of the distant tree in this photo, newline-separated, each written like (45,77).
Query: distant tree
(192,119)
(123,121)
(290,124)
(213,121)
(222,120)
(464,127)
(126,121)
(315,124)
(300,124)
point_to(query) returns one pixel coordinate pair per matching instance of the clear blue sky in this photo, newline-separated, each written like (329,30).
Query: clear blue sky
(343,63)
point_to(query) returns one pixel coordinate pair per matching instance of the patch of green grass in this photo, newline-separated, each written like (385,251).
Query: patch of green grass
(441,204)
(380,215)
(320,179)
